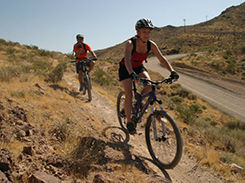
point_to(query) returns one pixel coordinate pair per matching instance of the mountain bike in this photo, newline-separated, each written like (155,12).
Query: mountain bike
(162,134)
(84,67)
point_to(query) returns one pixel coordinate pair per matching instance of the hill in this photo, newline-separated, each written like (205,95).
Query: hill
(222,38)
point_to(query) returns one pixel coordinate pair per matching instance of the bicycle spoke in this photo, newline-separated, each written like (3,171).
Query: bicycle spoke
(164,147)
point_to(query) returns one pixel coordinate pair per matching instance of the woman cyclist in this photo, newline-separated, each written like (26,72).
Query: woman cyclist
(131,66)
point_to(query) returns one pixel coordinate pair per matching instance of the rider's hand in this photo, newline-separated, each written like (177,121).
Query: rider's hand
(174,75)
(95,58)
(134,76)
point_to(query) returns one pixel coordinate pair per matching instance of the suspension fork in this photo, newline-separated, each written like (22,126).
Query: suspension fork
(156,115)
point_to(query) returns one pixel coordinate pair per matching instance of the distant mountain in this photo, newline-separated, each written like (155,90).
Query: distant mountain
(218,33)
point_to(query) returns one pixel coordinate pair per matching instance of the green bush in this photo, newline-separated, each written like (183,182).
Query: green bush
(101,77)
(177,99)
(41,65)
(56,74)
(9,72)
(196,107)
(186,114)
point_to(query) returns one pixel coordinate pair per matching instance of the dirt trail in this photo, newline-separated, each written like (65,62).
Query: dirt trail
(187,170)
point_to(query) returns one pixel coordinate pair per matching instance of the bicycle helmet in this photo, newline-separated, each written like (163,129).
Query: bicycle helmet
(144,23)
(79,36)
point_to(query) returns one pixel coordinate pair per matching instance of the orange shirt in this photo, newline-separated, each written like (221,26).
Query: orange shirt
(83,54)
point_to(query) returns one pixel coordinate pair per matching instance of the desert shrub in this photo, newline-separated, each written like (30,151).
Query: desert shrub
(175,86)
(89,151)
(196,107)
(177,99)
(45,53)
(191,96)
(9,72)
(231,67)
(234,124)
(10,50)
(19,93)
(61,130)
(56,74)
(39,65)
(101,77)
(186,114)
(205,122)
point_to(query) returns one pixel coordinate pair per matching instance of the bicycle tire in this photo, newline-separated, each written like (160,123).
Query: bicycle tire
(84,84)
(88,86)
(166,154)
(120,107)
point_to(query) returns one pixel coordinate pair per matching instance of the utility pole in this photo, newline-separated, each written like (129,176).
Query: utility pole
(206,18)
(184,23)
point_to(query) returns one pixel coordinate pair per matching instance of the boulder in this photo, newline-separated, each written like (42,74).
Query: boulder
(43,177)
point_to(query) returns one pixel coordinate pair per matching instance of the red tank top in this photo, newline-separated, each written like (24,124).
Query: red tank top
(137,59)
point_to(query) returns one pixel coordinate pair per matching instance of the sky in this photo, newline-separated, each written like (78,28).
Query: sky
(53,24)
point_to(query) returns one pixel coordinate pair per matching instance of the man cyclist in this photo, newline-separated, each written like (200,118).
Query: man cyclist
(80,49)
(131,66)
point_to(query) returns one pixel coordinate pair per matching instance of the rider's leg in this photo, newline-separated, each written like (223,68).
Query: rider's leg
(91,66)
(127,85)
(147,88)
(80,79)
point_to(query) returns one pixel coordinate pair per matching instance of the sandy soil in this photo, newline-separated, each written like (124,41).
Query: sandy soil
(188,170)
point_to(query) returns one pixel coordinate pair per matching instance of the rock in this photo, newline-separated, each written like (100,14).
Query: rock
(55,160)
(5,160)
(3,178)
(235,168)
(21,133)
(4,163)
(28,150)
(98,178)
(43,177)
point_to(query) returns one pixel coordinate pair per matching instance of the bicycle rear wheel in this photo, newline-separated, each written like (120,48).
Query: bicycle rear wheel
(164,148)
(120,110)
(88,86)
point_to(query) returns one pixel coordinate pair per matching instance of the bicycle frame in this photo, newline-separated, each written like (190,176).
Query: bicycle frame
(84,67)
(151,100)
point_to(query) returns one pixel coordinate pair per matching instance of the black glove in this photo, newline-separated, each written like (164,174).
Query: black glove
(174,75)
(134,76)
(79,46)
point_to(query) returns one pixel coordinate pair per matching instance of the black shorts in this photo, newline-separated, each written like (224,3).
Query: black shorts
(123,72)
(79,66)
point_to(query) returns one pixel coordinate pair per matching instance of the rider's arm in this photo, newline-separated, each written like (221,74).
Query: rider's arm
(127,57)
(92,53)
(161,58)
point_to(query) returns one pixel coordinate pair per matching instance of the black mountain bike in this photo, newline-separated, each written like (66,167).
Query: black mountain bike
(84,67)
(162,134)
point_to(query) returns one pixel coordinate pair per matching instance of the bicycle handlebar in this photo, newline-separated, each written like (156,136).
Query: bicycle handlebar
(145,81)
(85,60)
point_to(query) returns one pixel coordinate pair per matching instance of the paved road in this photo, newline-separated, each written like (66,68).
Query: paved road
(224,98)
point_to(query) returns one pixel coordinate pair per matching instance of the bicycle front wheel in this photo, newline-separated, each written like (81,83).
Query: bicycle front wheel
(163,139)
(120,110)
(88,86)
